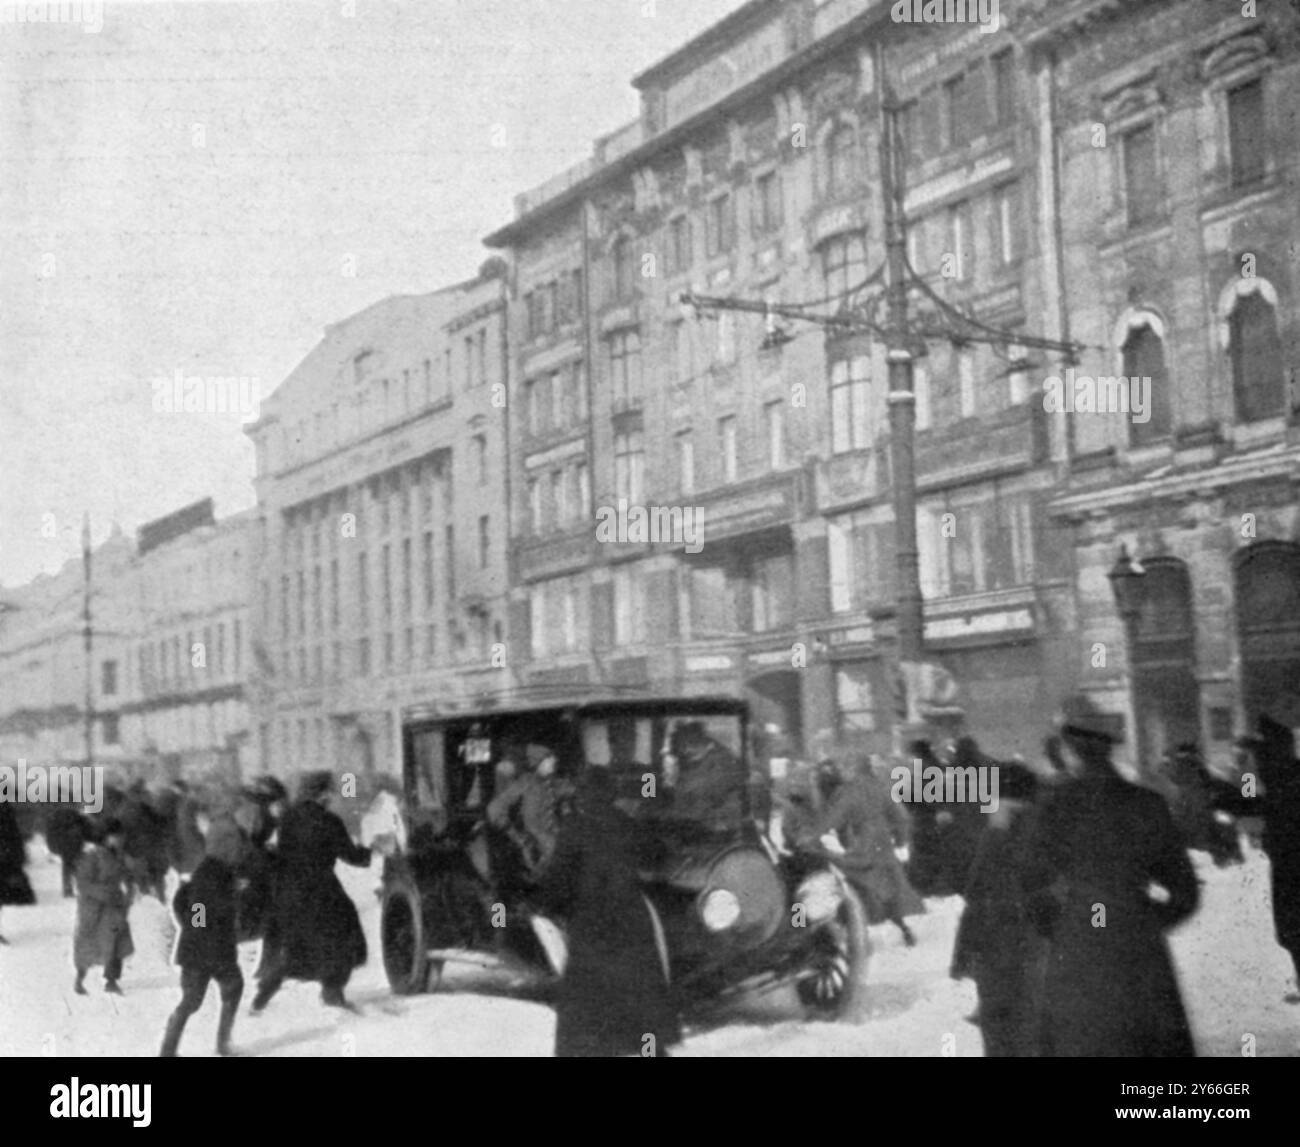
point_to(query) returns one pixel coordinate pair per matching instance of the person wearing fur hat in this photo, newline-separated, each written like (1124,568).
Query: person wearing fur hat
(104,892)
(14,886)
(1105,876)
(314,932)
(206,950)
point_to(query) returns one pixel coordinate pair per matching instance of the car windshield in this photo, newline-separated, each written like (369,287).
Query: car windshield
(688,767)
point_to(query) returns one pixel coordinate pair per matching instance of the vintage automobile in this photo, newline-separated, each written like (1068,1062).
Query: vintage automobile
(735,913)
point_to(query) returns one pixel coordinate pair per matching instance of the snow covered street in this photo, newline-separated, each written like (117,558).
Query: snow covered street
(1234,978)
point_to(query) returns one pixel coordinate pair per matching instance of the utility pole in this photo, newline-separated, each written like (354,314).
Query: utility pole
(88,636)
(902,395)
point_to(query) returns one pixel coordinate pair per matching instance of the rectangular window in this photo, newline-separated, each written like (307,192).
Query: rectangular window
(363,656)
(720,226)
(956,111)
(407,594)
(535,506)
(108,678)
(1143,194)
(583,478)
(921,388)
(679,246)
(1006,223)
(629,606)
(961,247)
(1017,375)
(363,583)
(629,467)
(559,414)
(727,447)
(624,268)
(774,422)
(533,403)
(625,369)
(1004,87)
(480,458)
(850,391)
(966,382)
(684,443)
(767,203)
(386,582)
(484,541)
(844,261)
(772,592)
(559,498)
(449,550)
(1246,138)
(428,569)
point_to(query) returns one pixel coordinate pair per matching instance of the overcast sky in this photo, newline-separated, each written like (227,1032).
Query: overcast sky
(186,189)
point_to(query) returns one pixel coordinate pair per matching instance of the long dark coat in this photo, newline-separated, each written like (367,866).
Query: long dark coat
(67,833)
(614,993)
(14,886)
(998,945)
(1280,773)
(103,899)
(211,947)
(313,922)
(1109,991)
(870,824)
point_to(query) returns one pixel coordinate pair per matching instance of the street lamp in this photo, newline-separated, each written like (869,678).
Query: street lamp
(1126,583)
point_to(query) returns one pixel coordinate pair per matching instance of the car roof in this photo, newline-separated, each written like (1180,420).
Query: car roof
(632,701)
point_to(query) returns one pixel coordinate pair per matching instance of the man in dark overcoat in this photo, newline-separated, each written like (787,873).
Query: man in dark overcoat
(1279,772)
(14,886)
(997,944)
(206,950)
(104,892)
(614,998)
(314,932)
(869,825)
(1106,876)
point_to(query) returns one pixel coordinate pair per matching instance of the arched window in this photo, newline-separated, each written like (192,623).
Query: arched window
(1249,332)
(1144,358)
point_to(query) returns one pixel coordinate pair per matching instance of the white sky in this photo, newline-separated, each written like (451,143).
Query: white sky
(130,253)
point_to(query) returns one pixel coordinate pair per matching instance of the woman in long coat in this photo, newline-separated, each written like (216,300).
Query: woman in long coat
(1099,846)
(103,933)
(14,886)
(614,998)
(1275,753)
(314,932)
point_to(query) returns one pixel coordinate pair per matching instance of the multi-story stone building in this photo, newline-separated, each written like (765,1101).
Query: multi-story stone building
(45,682)
(185,707)
(753,172)
(1177,141)
(381,484)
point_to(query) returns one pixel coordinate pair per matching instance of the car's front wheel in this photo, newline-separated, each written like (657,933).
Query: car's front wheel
(405,949)
(833,984)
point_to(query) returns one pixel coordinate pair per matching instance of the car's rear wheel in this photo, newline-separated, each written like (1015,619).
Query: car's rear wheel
(405,949)
(833,984)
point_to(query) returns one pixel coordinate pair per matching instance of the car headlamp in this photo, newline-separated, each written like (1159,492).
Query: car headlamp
(720,910)
(821,897)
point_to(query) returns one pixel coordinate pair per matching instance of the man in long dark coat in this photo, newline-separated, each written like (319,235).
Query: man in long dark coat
(1275,755)
(1099,847)
(104,893)
(14,886)
(206,951)
(997,944)
(614,998)
(869,825)
(314,932)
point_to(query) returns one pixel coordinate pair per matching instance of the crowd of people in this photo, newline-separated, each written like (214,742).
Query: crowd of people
(1070,883)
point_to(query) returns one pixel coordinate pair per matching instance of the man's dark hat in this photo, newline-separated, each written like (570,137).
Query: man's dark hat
(1082,720)
(314,785)
(266,788)
(112,826)
(1016,782)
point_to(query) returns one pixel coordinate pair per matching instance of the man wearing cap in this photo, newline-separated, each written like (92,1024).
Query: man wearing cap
(527,809)
(1105,876)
